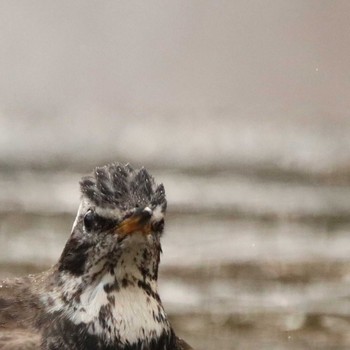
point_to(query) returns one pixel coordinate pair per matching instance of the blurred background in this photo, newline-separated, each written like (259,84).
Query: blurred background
(241,108)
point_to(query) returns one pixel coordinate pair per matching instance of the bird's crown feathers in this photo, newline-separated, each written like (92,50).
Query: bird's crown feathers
(118,186)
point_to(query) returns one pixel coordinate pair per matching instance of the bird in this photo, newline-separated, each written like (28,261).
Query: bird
(102,294)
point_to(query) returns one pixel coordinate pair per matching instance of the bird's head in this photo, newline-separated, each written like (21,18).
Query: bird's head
(118,225)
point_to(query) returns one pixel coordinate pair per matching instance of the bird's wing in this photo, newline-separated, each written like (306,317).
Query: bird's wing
(182,345)
(19,310)
(19,306)
(16,339)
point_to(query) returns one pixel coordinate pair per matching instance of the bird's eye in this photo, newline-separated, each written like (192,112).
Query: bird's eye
(89,219)
(158,226)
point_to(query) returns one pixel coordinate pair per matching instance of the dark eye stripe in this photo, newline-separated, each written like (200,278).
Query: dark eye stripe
(97,223)
(104,224)
(158,226)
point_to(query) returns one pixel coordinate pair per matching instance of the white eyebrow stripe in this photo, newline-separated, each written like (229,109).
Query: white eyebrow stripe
(81,206)
(109,213)
(157,213)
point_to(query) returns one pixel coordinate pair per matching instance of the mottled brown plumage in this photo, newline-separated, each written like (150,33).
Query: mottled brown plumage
(102,294)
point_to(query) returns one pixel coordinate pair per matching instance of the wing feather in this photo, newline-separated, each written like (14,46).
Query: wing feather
(17,339)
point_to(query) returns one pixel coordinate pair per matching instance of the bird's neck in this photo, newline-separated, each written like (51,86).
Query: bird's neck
(119,305)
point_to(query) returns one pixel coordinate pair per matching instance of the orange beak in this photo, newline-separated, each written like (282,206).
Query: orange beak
(137,222)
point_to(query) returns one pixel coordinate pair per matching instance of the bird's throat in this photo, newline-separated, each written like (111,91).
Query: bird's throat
(125,311)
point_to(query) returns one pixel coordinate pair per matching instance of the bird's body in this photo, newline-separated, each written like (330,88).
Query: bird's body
(102,294)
